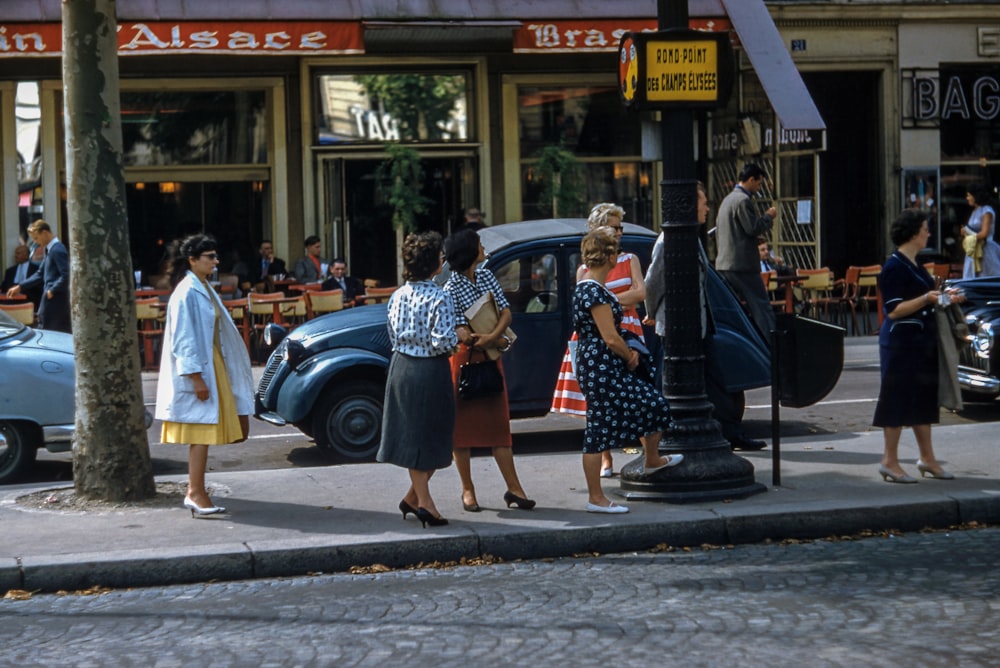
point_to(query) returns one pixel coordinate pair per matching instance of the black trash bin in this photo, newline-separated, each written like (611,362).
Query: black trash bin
(810,357)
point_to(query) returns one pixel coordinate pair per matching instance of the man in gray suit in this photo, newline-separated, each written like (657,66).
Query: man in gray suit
(53,311)
(738,261)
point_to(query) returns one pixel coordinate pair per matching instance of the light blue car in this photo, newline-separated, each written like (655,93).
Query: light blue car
(37,395)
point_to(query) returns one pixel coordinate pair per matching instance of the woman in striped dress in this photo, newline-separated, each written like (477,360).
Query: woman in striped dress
(626,282)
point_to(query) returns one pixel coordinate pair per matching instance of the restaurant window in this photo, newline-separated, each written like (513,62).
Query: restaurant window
(382,106)
(193,127)
(599,137)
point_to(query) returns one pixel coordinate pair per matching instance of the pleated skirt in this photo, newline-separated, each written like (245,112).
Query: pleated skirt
(418,415)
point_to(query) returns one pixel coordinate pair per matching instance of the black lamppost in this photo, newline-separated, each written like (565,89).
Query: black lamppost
(710,470)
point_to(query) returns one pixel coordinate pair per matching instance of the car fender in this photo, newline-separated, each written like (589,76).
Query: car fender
(302,387)
(734,360)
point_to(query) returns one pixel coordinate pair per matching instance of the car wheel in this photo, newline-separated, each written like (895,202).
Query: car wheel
(17,451)
(347,421)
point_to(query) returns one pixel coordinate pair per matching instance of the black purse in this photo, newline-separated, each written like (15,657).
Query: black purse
(646,369)
(479,380)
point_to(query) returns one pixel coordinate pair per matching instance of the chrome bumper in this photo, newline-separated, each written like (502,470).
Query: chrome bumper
(272,418)
(58,437)
(975,382)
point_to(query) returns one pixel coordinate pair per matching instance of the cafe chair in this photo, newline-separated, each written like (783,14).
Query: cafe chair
(238,312)
(150,315)
(23,312)
(261,310)
(820,292)
(379,295)
(319,302)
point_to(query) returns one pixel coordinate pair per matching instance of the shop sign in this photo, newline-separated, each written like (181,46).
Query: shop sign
(958,98)
(595,35)
(225,37)
(675,68)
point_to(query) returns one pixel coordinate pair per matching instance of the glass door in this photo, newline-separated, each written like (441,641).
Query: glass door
(356,217)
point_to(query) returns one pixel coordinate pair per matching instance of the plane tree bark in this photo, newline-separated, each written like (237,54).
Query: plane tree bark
(110,451)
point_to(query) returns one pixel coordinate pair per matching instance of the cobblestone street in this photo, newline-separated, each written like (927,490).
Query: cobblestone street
(913,599)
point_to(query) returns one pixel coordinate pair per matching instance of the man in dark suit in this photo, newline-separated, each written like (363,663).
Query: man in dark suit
(53,311)
(19,271)
(269,264)
(339,280)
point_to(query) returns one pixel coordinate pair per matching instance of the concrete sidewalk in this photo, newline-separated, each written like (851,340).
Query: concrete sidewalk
(297,521)
(323,519)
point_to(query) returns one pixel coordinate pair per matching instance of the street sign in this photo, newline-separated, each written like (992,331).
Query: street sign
(676,68)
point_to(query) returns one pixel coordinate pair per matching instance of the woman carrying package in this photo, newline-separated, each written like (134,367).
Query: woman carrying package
(484,422)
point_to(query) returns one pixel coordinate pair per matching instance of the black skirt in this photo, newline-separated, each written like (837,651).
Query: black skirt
(418,415)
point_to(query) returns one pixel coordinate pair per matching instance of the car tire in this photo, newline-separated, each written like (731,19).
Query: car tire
(17,450)
(347,420)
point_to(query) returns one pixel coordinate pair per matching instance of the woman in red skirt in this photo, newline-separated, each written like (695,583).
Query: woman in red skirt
(484,422)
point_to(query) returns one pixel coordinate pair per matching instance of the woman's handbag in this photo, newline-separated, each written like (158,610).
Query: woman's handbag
(479,380)
(645,370)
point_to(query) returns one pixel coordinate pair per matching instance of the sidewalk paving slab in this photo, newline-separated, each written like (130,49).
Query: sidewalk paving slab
(297,521)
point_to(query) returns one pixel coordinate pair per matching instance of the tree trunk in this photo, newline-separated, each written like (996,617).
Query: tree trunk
(110,451)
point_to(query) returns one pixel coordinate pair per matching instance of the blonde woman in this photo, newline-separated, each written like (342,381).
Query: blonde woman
(621,405)
(625,280)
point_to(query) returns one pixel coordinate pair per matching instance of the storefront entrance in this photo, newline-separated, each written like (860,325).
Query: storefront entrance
(357,217)
(160,212)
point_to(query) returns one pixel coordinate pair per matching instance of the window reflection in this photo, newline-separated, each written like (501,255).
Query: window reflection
(193,128)
(585,120)
(384,107)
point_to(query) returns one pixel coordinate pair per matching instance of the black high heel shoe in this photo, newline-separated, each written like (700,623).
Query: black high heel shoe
(426,518)
(405,508)
(524,504)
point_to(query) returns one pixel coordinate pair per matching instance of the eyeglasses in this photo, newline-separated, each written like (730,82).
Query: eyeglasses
(211,256)
(619,228)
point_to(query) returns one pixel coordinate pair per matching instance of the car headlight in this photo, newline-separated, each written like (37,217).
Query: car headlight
(982,342)
(293,353)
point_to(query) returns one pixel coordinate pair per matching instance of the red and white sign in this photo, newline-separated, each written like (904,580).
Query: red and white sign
(598,35)
(220,37)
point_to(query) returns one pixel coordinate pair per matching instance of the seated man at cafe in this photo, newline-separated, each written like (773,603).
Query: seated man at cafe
(771,262)
(339,280)
(312,267)
(18,272)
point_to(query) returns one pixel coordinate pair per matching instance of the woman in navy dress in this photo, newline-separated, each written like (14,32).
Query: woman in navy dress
(908,396)
(621,405)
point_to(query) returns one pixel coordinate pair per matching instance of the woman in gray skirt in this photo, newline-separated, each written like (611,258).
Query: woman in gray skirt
(419,411)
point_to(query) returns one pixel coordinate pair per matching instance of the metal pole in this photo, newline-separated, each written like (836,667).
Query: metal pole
(710,470)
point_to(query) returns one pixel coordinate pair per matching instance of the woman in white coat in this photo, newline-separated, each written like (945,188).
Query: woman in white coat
(204,395)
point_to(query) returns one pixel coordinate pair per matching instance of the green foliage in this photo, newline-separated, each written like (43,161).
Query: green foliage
(563,182)
(422,104)
(400,183)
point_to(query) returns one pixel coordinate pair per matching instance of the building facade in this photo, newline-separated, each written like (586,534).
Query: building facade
(262,120)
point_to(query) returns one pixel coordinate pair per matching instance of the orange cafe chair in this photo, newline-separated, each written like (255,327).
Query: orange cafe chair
(24,313)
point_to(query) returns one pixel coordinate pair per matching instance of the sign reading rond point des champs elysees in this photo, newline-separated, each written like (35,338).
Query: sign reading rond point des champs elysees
(676,68)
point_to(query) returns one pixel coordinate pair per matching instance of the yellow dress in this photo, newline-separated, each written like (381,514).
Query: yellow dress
(228,429)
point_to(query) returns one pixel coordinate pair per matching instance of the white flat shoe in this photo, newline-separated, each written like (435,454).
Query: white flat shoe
(613,508)
(672,460)
(607,473)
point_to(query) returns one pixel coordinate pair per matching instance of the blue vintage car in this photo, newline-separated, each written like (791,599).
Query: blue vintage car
(979,361)
(328,376)
(37,395)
